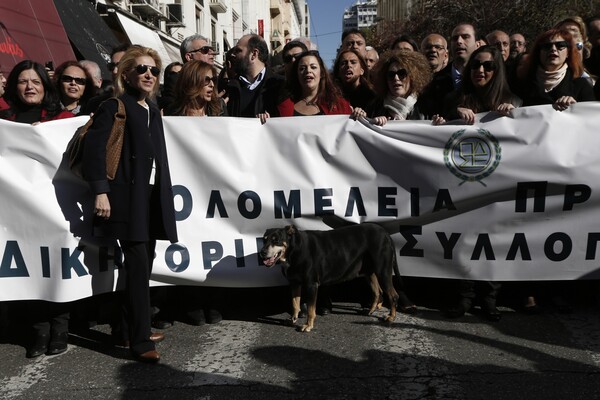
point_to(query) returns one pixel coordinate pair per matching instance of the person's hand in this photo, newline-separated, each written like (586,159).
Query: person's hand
(438,120)
(563,102)
(102,206)
(466,114)
(505,108)
(263,117)
(381,121)
(357,113)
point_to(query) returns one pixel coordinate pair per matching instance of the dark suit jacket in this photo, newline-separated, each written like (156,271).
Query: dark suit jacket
(270,94)
(431,100)
(139,211)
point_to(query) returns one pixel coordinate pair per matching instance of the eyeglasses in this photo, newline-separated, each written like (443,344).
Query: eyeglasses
(401,74)
(143,68)
(203,50)
(112,65)
(487,65)
(69,79)
(209,79)
(560,45)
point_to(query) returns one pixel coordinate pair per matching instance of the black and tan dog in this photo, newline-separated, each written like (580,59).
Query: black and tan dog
(313,258)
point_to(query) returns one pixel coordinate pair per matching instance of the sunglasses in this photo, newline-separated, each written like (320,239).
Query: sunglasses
(209,79)
(69,79)
(143,68)
(401,74)
(203,50)
(559,45)
(112,65)
(487,65)
(289,58)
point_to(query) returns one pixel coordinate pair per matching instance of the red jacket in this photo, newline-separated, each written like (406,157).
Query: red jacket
(286,108)
(44,117)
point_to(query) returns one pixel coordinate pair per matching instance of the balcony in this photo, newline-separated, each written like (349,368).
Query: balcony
(275,8)
(218,6)
(146,8)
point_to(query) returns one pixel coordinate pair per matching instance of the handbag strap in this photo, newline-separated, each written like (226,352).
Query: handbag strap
(114,145)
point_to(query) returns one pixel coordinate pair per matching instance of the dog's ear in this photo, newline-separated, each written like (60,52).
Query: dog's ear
(290,230)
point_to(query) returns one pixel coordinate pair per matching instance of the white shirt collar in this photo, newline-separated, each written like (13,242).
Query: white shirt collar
(257,81)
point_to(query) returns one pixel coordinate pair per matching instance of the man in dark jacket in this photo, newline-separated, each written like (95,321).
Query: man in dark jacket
(257,90)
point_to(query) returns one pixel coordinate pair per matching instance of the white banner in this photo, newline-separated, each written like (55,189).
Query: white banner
(504,199)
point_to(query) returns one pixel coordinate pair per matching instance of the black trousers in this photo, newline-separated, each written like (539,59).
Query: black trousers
(135,300)
(48,318)
(487,290)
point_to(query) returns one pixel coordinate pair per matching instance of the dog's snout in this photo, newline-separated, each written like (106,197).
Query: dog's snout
(262,253)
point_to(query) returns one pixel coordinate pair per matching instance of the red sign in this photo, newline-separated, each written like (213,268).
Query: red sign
(261,28)
(32,30)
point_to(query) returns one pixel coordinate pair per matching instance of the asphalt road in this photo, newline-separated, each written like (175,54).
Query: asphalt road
(252,354)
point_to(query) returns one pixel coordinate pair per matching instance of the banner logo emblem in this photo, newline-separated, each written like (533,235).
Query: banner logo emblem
(472,156)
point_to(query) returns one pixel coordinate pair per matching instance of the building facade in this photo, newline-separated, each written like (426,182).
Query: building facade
(396,10)
(163,24)
(360,15)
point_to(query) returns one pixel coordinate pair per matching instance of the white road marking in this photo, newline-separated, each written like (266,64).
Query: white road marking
(224,353)
(31,374)
(397,344)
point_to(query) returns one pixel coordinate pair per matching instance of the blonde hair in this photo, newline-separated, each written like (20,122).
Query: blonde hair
(127,63)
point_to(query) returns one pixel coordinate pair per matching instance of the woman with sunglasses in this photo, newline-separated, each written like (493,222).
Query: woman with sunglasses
(31,95)
(136,207)
(311,90)
(196,93)
(399,77)
(75,86)
(552,73)
(484,88)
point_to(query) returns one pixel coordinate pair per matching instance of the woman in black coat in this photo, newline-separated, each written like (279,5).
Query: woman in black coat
(137,206)
(552,73)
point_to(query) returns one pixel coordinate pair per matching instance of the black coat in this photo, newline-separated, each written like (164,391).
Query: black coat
(139,211)
(533,94)
(431,100)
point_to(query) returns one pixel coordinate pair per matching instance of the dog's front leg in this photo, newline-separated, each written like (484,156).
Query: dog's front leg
(296,293)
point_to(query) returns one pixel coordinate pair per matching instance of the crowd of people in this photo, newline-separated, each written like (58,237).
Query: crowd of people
(441,79)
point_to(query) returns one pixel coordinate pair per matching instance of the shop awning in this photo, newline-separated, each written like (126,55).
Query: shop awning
(88,32)
(139,34)
(172,50)
(32,29)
